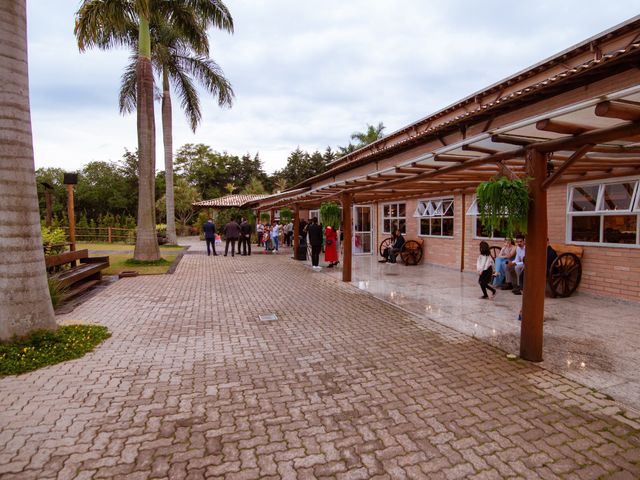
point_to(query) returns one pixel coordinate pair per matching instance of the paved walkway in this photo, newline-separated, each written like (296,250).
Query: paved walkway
(591,340)
(342,385)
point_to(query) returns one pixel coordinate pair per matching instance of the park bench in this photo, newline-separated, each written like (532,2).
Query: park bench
(77,277)
(411,253)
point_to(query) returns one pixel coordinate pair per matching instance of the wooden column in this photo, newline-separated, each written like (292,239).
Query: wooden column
(347,203)
(296,230)
(273,215)
(71,217)
(531,332)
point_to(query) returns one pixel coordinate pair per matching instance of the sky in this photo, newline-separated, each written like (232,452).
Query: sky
(306,73)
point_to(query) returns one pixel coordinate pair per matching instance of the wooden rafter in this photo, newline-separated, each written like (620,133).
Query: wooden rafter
(617,109)
(512,140)
(565,128)
(567,163)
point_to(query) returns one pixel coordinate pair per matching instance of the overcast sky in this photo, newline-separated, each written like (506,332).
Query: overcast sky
(306,73)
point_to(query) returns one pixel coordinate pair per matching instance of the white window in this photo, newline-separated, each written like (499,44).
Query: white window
(436,217)
(480,231)
(316,214)
(604,213)
(394,215)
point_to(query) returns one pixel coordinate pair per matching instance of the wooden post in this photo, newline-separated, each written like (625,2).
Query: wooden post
(49,206)
(531,332)
(296,230)
(273,215)
(71,217)
(347,203)
(109,234)
(463,231)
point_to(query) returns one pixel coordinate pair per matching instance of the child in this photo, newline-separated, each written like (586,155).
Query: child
(485,267)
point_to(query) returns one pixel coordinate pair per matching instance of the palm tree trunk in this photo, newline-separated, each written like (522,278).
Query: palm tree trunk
(24,293)
(167,137)
(146,238)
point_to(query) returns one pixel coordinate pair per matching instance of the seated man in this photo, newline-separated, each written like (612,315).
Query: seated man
(390,253)
(515,268)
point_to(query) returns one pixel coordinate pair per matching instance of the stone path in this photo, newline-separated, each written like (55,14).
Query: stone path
(342,385)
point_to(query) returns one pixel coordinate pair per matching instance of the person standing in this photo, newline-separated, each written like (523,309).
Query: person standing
(484,267)
(259,232)
(275,232)
(315,239)
(331,249)
(231,234)
(209,229)
(245,236)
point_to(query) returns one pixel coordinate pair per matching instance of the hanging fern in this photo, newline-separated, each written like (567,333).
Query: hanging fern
(503,205)
(330,214)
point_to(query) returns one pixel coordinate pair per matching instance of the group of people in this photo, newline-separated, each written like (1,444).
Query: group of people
(508,270)
(233,232)
(268,236)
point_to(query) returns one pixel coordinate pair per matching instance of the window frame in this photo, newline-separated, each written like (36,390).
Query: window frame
(437,203)
(633,210)
(472,211)
(396,218)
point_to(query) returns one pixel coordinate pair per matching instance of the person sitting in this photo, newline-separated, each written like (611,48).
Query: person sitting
(508,252)
(390,253)
(515,268)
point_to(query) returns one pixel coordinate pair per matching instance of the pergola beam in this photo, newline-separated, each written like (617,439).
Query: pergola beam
(617,109)
(567,163)
(565,128)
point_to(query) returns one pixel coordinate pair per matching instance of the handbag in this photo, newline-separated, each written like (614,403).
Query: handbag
(329,242)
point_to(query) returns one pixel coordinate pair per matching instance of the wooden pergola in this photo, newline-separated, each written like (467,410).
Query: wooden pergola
(548,133)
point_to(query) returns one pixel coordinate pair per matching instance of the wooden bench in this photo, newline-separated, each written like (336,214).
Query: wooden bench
(565,272)
(76,278)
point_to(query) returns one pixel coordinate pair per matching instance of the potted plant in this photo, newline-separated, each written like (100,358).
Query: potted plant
(330,214)
(503,205)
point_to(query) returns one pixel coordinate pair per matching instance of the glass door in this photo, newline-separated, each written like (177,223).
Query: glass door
(362,230)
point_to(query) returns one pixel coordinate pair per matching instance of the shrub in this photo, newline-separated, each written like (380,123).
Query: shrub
(47,347)
(56,291)
(52,236)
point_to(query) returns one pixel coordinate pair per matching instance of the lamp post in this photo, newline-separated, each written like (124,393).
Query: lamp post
(70,179)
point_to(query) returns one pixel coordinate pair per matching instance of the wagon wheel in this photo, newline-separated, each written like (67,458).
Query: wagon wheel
(386,243)
(411,253)
(494,252)
(565,274)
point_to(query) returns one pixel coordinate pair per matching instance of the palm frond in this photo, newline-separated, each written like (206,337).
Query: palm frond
(104,24)
(188,95)
(214,12)
(128,94)
(210,75)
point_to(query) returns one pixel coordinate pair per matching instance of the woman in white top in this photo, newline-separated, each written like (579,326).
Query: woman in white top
(275,231)
(484,267)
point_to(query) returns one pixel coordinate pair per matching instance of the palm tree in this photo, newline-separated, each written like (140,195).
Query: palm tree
(24,293)
(172,58)
(108,23)
(371,135)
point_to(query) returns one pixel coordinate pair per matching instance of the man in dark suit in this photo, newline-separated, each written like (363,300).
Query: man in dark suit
(210,236)
(231,234)
(245,237)
(315,239)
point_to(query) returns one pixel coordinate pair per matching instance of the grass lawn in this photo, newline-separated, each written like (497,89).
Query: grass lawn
(119,246)
(118,263)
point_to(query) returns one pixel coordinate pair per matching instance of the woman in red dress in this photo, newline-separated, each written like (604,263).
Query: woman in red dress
(330,248)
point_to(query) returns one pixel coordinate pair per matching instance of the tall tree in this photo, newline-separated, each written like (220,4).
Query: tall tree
(371,135)
(24,293)
(177,62)
(108,23)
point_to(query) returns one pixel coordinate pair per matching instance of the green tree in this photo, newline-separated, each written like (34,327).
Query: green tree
(301,166)
(108,23)
(185,196)
(24,291)
(177,62)
(371,135)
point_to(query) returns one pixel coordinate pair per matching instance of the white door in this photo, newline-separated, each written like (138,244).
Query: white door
(362,230)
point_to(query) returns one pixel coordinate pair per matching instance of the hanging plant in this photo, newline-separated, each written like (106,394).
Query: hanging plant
(330,214)
(286,214)
(265,217)
(503,205)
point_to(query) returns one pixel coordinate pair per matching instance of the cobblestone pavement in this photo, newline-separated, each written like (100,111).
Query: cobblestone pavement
(342,385)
